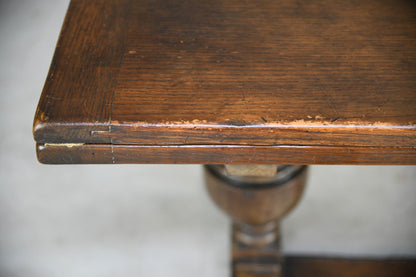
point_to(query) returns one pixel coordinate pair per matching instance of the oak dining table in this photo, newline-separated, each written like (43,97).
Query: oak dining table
(255,91)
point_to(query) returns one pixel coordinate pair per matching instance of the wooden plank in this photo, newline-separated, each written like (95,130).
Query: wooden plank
(339,73)
(228,154)
(340,267)
(77,98)
(279,74)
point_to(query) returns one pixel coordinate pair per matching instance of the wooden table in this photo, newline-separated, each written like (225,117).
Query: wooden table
(244,86)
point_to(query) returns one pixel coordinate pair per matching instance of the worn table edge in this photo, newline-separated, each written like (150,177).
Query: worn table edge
(81,153)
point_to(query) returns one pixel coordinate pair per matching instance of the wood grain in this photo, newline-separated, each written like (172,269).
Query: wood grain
(221,154)
(256,207)
(317,74)
(77,98)
(269,73)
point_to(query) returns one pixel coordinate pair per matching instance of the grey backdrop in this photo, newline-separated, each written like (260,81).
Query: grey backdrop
(148,220)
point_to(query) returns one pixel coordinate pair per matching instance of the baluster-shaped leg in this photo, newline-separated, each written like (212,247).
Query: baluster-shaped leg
(256,197)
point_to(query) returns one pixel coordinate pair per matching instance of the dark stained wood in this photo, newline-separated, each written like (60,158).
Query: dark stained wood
(221,154)
(77,98)
(237,82)
(269,72)
(298,73)
(256,204)
(347,267)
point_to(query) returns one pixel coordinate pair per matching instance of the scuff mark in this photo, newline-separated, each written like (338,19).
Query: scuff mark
(335,119)
(299,123)
(68,145)
(43,116)
(93,132)
(113,159)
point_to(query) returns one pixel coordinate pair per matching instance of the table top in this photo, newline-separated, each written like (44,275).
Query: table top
(231,81)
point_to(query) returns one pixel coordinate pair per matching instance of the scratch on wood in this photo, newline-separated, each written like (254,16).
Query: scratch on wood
(93,132)
(43,116)
(113,160)
(68,145)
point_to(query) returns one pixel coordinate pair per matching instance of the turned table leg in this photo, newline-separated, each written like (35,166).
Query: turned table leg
(256,197)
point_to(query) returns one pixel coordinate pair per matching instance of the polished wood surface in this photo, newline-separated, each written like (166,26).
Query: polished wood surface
(79,89)
(318,74)
(256,201)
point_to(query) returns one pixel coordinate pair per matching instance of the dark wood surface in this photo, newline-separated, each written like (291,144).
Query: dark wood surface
(60,153)
(256,201)
(79,89)
(298,266)
(319,74)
